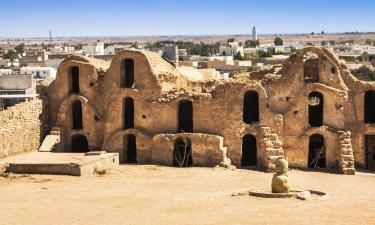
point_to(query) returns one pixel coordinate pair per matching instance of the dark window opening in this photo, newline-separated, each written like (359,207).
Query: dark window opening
(251,107)
(315,103)
(333,70)
(185,116)
(130,144)
(77,115)
(311,69)
(249,150)
(316,158)
(79,143)
(74,86)
(127,79)
(370,107)
(182,153)
(128,113)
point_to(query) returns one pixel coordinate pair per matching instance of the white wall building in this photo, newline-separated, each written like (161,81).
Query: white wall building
(5,71)
(39,72)
(232,49)
(97,49)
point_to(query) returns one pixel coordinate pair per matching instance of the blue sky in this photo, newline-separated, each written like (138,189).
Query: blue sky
(33,18)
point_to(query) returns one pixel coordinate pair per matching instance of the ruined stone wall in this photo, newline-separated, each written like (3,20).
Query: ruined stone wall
(21,128)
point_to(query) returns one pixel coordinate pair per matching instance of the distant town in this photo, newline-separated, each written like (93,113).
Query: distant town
(26,62)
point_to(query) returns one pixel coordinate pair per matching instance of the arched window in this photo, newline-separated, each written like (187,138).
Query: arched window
(251,107)
(74,80)
(185,116)
(127,78)
(130,145)
(79,143)
(77,115)
(315,102)
(369,107)
(317,158)
(128,113)
(182,153)
(249,150)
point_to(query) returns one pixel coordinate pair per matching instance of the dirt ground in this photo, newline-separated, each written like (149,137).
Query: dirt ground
(140,194)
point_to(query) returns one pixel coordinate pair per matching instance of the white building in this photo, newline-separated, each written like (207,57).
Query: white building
(97,49)
(39,72)
(232,49)
(5,71)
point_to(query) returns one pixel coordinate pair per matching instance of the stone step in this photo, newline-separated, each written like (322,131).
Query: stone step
(49,143)
(348,171)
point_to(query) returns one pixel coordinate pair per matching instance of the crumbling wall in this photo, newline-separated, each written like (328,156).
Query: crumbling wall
(22,128)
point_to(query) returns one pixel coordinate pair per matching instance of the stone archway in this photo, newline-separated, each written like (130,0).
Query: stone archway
(251,107)
(79,143)
(316,156)
(185,116)
(249,150)
(182,152)
(315,102)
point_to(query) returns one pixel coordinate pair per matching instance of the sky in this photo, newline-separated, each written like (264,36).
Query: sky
(34,18)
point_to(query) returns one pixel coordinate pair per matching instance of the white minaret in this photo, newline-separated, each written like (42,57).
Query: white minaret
(254,35)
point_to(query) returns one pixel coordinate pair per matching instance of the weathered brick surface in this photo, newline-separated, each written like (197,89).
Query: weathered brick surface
(21,128)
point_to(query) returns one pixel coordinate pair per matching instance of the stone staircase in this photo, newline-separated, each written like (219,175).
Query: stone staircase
(226,163)
(346,163)
(51,142)
(273,147)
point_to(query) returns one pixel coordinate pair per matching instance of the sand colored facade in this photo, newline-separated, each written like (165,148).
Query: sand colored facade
(311,110)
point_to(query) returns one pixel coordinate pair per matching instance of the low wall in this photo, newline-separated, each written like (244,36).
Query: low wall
(21,128)
(207,150)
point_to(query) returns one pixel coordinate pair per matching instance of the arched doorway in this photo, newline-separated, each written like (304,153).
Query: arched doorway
(79,143)
(77,115)
(369,107)
(251,107)
(127,78)
(249,150)
(316,158)
(128,113)
(315,102)
(74,79)
(182,153)
(130,145)
(185,116)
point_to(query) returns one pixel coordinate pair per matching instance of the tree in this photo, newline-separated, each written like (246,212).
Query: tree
(262,53)
(230,40)
(20,48)
(278,41)
(251,43)
(135,45)
(332,42)
(11,55)
(313,33)
(322,33)
(323,43)
(238,56)
(368,42)
(364,73)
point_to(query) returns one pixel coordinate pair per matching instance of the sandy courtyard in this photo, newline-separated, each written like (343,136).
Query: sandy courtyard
(138,194)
